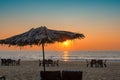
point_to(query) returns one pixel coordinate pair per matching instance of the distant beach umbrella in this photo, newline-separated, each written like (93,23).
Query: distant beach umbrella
(41,36)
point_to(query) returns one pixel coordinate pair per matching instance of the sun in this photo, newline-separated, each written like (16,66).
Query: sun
(66,43)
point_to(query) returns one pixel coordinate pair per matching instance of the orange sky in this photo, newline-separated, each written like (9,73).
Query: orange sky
(99,38)
(99,21)
(89,43)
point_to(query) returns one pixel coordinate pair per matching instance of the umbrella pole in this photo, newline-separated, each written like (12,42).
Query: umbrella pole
(43,59)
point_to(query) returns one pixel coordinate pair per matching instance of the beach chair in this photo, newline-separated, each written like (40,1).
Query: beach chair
(40,62)
(50,75)
(105,65)
(56,63)
(9,61)
(100,63)
(18,62)
(50,62)
(45,62)
(71,75)
(93,62)
(87,63)
(2,78)
(3,62)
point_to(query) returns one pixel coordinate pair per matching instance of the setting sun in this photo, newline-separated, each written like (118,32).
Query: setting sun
(66,43)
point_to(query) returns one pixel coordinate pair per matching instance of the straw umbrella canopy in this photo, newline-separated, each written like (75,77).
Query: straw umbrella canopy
(41,36)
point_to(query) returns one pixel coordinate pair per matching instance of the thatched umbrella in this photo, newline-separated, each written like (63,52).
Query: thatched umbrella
(41,36)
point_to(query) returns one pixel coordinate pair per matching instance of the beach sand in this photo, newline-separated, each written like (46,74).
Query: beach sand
(30,70)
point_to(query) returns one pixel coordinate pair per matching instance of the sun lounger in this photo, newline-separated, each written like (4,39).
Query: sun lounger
(50,75)
(71,75)
(2,78)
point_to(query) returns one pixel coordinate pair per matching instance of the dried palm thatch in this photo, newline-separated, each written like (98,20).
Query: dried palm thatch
(41,35)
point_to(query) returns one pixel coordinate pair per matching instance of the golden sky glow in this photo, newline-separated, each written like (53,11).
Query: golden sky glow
(99,21)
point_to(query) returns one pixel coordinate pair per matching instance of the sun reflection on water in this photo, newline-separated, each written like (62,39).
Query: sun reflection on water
(65,55)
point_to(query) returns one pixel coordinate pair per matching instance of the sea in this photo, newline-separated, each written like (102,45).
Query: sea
(61,55)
